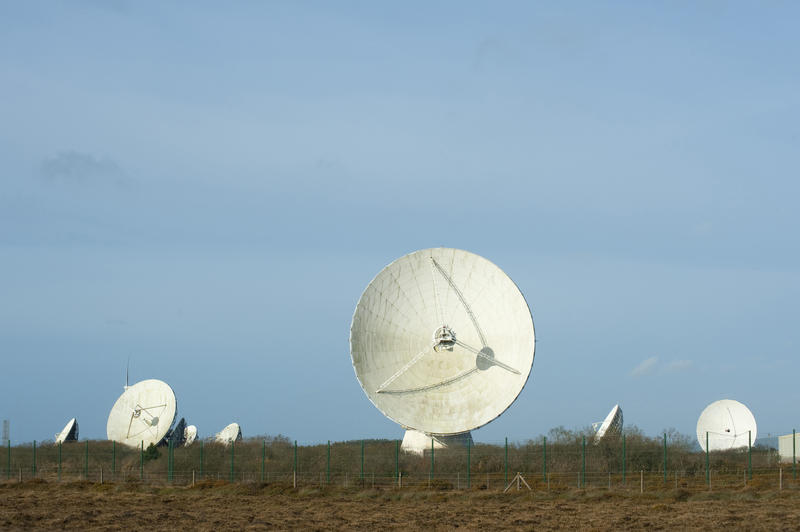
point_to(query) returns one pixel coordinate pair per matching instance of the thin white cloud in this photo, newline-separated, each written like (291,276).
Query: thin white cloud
(652,365)
(646,367)
(679,365)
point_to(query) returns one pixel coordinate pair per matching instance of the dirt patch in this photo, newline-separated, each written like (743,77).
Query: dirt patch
(214,506)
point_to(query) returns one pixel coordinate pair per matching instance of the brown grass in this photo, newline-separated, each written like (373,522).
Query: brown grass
(214,505)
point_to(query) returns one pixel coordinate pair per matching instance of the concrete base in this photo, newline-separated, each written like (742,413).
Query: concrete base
(417,442)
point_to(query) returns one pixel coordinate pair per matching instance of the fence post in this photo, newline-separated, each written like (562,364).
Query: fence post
(469,461)
(8,463)
(141,461)
(233,451)
(708,475)
(641,481)
(430,476)
(397,461)
(201,458)
(295,463)
(328,464)
(583,463)
(623,459)
(59,461)
(113,459)
(33,468)
(170,461)
(544,458)
(506,460)
(86,462)
(263,457)
(362,463)
(794,454)
(750,454)
(665,458)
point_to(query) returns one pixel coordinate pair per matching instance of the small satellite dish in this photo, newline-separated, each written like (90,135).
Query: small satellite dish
(729,424)
(70,432)
(143,414)
(189,435)
(229,434)
(442,343)
(612,424)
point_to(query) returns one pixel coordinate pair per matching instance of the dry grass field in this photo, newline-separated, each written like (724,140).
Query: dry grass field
(40,505)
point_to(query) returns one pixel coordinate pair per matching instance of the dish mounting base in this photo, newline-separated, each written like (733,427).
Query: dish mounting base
(416,442)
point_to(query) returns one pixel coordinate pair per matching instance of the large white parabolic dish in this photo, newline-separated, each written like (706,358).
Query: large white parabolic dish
(442,341)
(729,424)
(143,414)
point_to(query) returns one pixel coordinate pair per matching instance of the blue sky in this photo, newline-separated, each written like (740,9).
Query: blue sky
(207,190)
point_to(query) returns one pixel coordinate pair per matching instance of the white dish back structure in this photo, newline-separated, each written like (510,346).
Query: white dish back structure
(231,433)
(189,435)
(69,433)
(729,424)
(789,447)
(143,414)
(442,341)
(612,424)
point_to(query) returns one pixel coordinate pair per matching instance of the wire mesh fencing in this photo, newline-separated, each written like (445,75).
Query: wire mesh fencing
(629,463)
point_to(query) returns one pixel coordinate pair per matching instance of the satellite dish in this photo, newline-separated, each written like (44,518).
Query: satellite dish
(729,424)
(612,424)
(175,436)
(189,435)
(442,342)
(229,434)
(143,414)
(70,432)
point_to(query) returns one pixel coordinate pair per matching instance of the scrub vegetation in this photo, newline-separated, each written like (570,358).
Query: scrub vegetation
(564,459)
